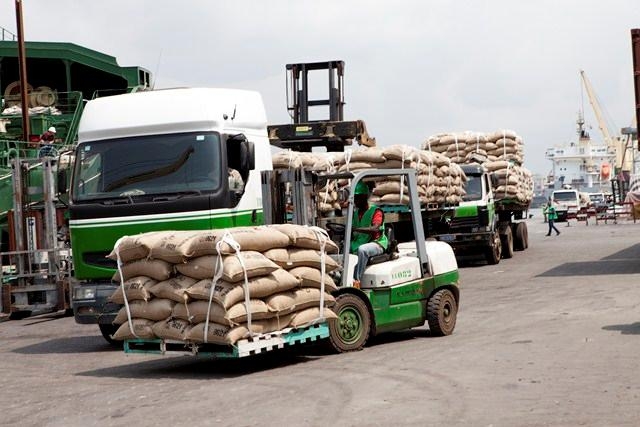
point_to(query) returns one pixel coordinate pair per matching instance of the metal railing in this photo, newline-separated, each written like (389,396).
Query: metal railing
(6,35)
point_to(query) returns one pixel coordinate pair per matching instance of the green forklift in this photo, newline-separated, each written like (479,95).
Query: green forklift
(414,281)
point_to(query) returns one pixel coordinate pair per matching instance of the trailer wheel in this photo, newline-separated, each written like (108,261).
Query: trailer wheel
(519,236)
(442,311)
(107,331)
(494,251)
(350,331)
(507,243)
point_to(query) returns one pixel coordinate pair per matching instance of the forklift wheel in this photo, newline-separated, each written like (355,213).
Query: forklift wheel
(442,311)
(350,331)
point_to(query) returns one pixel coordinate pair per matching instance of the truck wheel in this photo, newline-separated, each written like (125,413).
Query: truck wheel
(494,251)
(107,331)
(442,312)
(519,239)
(507,243)
(350,331)
(526,235)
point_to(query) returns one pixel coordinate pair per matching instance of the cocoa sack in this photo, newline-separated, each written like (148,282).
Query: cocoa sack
(155,309)
(204,267)
(156,269)
(196,312)
(136,288)
(171,329)
(311,278)
(292,258)
(304,237)
(142,328)
(174,288)
(295,300)
(308,315)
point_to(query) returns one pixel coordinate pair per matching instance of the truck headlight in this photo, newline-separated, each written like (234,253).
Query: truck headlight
(84,292)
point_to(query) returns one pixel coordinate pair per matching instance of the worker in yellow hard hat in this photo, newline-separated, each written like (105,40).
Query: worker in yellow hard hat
(368,231)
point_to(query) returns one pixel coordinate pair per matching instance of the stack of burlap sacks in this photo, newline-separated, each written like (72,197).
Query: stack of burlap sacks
(439,180)
(168,278)
(500,152)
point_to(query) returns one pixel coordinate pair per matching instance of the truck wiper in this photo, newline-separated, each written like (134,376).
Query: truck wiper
(174,195)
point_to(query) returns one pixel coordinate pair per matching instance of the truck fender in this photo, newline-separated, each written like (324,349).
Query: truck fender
(357,292)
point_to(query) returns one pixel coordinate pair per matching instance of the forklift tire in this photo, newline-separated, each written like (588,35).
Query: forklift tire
(494,251)
(507,243)
(350,331)
(107,331)
(519,232)
(442,311)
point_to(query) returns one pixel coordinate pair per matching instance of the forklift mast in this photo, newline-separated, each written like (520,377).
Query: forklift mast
(333,132)
(298,101)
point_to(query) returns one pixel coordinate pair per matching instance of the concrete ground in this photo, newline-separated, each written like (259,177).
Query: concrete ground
(549,337)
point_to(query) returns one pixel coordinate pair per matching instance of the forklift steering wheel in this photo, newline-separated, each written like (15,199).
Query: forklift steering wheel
(335,227)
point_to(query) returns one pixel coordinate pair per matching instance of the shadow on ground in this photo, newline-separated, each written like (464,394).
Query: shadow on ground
(190,367)
(630,329)
(68,345)
(622,262)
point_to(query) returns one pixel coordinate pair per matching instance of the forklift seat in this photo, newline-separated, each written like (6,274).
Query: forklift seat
(391,252)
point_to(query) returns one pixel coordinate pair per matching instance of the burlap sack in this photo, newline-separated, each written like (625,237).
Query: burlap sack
(257,239)
(258,327)
(304,237)
(204,267)
(164,244)
(130,248)
(228,294)
(394,198)
(196,312)
(292,258)
(311,278)
(295,300)
(136,288)
(497,165)
(368,155)
(355,166)
(156,269)
(154,309)
(237,313)
(217,333)
(387,187)
(308,315)
(142,327)
(171,329)
(286,160)
(399,152)
(173,288)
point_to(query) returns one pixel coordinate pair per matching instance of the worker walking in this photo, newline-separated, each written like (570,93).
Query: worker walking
(368,237)
(550,210)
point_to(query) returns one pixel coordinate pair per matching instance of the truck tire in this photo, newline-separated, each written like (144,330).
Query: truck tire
(493,252)
(507,243)
(350,331)
(519,231)
(526,235)
(107,331)
(442,311)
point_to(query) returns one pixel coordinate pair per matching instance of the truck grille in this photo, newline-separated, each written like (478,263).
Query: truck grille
(467,222)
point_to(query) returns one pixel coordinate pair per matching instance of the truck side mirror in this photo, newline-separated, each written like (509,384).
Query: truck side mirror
(494,180)
(241,154)
(61,179)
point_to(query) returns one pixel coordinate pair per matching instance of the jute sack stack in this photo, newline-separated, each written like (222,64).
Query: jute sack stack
(171,303)
(513,182)
(478,147)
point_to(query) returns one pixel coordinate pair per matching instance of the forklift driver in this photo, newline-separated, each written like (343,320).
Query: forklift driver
(368,231)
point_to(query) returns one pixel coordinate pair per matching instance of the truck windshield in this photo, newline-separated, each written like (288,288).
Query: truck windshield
(473,187)
(569,196)
(156,164)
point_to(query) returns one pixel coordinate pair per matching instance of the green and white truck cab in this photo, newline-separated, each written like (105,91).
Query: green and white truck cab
(160,160)
(480,224)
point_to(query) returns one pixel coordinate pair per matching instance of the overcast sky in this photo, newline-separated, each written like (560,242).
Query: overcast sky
(413,68)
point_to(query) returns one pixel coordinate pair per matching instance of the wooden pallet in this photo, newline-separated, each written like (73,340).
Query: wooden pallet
(260,343)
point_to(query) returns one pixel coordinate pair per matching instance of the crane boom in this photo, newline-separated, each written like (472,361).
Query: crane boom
(611,142)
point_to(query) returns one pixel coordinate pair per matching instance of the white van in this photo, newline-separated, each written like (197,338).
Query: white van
(567,203)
